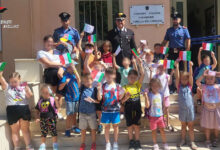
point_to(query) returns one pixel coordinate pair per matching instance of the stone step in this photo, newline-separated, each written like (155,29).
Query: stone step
(145,138)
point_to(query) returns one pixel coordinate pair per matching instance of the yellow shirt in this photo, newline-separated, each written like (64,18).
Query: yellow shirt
(134,90)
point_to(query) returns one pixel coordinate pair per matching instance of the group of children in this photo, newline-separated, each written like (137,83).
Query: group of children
(101,101)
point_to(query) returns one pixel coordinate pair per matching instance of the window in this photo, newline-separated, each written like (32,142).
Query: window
(99,13)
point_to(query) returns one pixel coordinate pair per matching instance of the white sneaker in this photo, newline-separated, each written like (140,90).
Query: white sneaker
(166,147)
(108,146)
(115,146)
(122,116)
(42,146)
(60,116)
(156,147)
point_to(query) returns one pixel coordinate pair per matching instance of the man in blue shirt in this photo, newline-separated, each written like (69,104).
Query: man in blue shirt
(66,29)
(178,37)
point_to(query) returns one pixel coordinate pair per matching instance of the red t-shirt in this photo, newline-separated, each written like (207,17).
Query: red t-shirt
(107,58)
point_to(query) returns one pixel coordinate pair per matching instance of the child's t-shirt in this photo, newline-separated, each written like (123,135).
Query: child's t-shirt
(147,71)
(15,95)
(134,90)
(156,109)
(107,59)
(72,88)
(124,75)
(85,106)
(164,79)
(111,94)
(211,93)
(46,108)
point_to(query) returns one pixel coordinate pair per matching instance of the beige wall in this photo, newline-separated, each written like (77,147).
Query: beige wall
(152,33)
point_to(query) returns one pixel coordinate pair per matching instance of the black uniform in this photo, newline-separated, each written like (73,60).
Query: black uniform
(124,38)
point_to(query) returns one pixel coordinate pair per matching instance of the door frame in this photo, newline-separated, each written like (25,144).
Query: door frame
(173,4)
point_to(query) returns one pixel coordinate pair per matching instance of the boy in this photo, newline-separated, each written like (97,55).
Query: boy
(133,106)
(87,110)
(71,80)
(112,93)
(157,54)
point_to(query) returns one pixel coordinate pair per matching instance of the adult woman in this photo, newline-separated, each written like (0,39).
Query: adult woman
(49,58)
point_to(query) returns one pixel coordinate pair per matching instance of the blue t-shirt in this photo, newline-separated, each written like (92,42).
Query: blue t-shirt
(177,36)
(72,88)
(84,106)
(58,33)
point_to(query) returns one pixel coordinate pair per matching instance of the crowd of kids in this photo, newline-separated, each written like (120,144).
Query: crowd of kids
(99,101)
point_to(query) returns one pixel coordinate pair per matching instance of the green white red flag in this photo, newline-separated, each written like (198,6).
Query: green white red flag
(207,46)
(185,55)
(92,38)
(65,59)
(135,53)
(97,75)
(2,66)
(164,50)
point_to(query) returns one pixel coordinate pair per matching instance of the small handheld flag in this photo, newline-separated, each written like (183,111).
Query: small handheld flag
(143,42)
(135,53)
(65,59)
(66,37)
(207,46)
(167,64)
(185,55)
(211,73)
(164,50)
(2,66)
(88,28)
(118,50)
(92,38)
(97,75)
(2,9)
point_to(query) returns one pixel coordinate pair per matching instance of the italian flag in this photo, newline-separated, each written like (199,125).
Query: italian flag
(97,75)
(168,64)
(65,59)
(135,53)
(92,38)
(207,46)
(2,66)
(185,55)
(164,50)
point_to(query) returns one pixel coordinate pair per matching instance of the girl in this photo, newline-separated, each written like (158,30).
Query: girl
(106,53)
(165,80)
(210,115)
(46,110)
(18,113)
(153,102)
(184,83)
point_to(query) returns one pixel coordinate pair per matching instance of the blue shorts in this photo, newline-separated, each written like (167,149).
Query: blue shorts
(72,108)
(108,118)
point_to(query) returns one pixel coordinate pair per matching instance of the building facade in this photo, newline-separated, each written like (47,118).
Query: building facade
(31,20)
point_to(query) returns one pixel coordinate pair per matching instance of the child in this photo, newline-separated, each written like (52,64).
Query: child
(98,66)
(157,54)
(133,106)
(142,48)
(47,114)
(149,69)
(17,109)
(184,82)
(165,80)
(126,62)
(71,80)
(106,53)
(153,102)
(210,114)
(87,110)
(112,93)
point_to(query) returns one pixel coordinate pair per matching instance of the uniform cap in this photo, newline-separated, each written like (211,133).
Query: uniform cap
(64,16)
(120,16)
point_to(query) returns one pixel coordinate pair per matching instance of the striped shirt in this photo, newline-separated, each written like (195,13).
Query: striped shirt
(72,88)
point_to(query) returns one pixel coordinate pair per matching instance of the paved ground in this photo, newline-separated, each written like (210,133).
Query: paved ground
(145,147)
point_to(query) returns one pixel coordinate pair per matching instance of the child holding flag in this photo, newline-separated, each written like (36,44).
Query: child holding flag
(72,81)
(17,109)
(112,94)
(133,106)
(184,83)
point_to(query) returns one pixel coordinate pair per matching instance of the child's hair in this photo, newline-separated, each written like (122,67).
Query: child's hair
(110,71)
(133,72)
(154,80)
(44,86)
(90,45)
(126,58)
(205,56)
(108,43)
(15,75)
(184,73)
(47,37)
(86,75)
(157,44)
